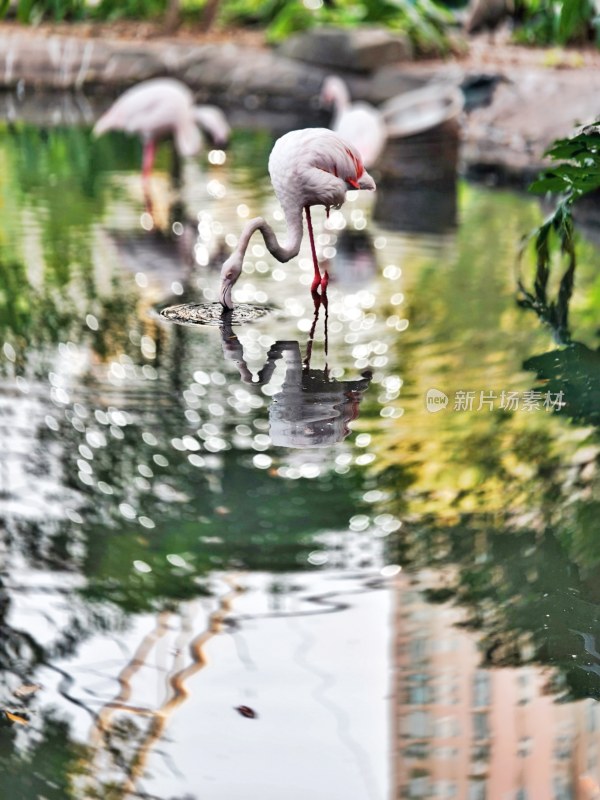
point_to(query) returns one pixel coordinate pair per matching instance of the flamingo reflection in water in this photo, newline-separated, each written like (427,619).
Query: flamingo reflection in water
(312,409)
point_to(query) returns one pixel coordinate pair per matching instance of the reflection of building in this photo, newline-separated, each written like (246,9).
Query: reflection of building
(469,733)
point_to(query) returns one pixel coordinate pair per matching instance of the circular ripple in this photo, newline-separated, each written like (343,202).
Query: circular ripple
(213,314)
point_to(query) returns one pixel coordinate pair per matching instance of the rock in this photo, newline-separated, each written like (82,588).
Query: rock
(392,80)
(258,79)
(249,78)
(427,157)
(130,67)
(527,112)
(364,49)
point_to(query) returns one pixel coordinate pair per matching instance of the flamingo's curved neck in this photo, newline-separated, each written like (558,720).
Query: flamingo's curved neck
(340,99)
(282,252)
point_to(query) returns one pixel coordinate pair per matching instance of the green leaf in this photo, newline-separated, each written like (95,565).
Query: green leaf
(548,184)
(573,19)
(24,10)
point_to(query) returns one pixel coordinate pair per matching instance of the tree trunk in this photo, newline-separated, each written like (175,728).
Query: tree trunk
(172,16)
(209,14)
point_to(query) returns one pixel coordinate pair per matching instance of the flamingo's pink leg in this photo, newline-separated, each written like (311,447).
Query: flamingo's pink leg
(148,158)
(311,335)
(317,279)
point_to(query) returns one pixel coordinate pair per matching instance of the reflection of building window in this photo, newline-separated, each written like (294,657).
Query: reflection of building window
(418,649)
(418,690)
(418,724)
(562,747)
(480,725)
(561,790)
(419,786)
(477,790)
(526,688)
(481,689)
(444,789)
(446,644)
(420,615)
(446,691)
(524,748)
(445,752)
(480,752)
(480,756)
(416,750)
(446,727)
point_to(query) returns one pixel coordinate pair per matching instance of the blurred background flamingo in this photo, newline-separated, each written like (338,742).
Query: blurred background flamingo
(160,108)
(308,167)
(360,123)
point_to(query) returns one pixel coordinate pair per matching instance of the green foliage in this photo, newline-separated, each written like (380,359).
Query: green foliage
(423,20)
(128,9)
(48,765)
(576,173)
(548,22)
(33,11)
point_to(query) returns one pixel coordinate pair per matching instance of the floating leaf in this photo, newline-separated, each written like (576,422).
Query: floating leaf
(246,711)
(16,718)
(27,689)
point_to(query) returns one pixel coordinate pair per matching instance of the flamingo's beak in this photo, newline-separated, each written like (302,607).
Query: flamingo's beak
(230,272)
(366,182)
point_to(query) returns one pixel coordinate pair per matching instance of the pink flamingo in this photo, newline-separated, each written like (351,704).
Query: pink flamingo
(308,168)
(163,107)
(359,123)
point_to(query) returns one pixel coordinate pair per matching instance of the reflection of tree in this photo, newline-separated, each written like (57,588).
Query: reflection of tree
(46,766)
(49,186)
(53,172)
(129,740)
(502,502)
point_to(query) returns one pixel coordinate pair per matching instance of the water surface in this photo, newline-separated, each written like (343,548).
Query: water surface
(402,600)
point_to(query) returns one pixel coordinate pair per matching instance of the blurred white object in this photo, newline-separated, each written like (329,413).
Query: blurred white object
(422,109)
